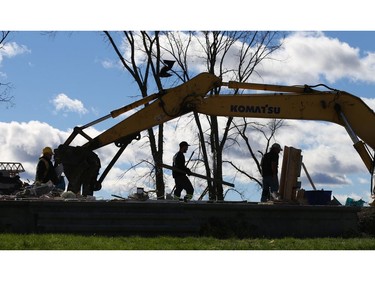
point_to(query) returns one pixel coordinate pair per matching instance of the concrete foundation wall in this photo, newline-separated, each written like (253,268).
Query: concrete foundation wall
(150,218)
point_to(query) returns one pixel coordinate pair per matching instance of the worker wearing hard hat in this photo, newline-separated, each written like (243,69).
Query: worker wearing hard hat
(270,166)
(45,171)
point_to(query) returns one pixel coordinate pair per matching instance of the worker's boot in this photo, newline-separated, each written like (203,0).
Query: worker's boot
(188,197)
(175,197)
(275,196)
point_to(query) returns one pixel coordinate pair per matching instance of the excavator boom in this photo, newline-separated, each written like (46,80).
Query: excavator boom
(170,104)
(337,107)
(201,94)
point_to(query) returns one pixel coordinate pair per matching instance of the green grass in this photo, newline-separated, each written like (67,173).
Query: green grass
(78,242)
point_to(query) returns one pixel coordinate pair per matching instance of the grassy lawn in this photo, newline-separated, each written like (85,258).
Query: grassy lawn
(78,242)
(137,258)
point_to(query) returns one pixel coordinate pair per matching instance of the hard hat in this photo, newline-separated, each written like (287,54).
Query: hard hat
(276,145)
(47,150)
(184,143)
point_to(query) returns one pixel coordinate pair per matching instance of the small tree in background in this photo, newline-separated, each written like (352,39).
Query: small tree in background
(5,88)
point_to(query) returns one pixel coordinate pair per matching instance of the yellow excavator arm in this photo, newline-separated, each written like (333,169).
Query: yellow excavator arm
(167,105)
(281,102)
(334,106)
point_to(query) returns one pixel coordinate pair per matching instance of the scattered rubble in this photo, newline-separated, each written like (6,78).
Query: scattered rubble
(44,192)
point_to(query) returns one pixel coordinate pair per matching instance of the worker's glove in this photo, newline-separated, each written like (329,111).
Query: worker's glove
(188,172)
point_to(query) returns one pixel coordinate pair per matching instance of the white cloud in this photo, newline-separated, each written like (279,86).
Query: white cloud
(304,58)
(65,104)
(23,142)
(312,56)
(108,64)
(12,49)
(370,102)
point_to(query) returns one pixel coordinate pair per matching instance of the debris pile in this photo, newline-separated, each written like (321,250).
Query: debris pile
(44,192)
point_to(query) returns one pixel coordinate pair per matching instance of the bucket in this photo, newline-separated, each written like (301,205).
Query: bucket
(318,197)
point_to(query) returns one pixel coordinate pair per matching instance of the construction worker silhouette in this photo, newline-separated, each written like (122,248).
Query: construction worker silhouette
(181,180)
(45,171)
(270,165)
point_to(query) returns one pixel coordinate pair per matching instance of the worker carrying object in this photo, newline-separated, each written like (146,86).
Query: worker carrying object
(45,171)
(181,180)
(270,166)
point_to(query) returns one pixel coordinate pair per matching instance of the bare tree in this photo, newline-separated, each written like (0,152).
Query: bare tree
(5,87)
(217,46)
(3,37)
(142,71)
(144,61)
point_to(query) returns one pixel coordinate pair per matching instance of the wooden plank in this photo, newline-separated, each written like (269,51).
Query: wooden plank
(198,175)
(291,170)
(283,172)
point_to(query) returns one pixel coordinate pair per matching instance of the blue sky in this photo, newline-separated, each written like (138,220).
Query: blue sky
(65,63)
